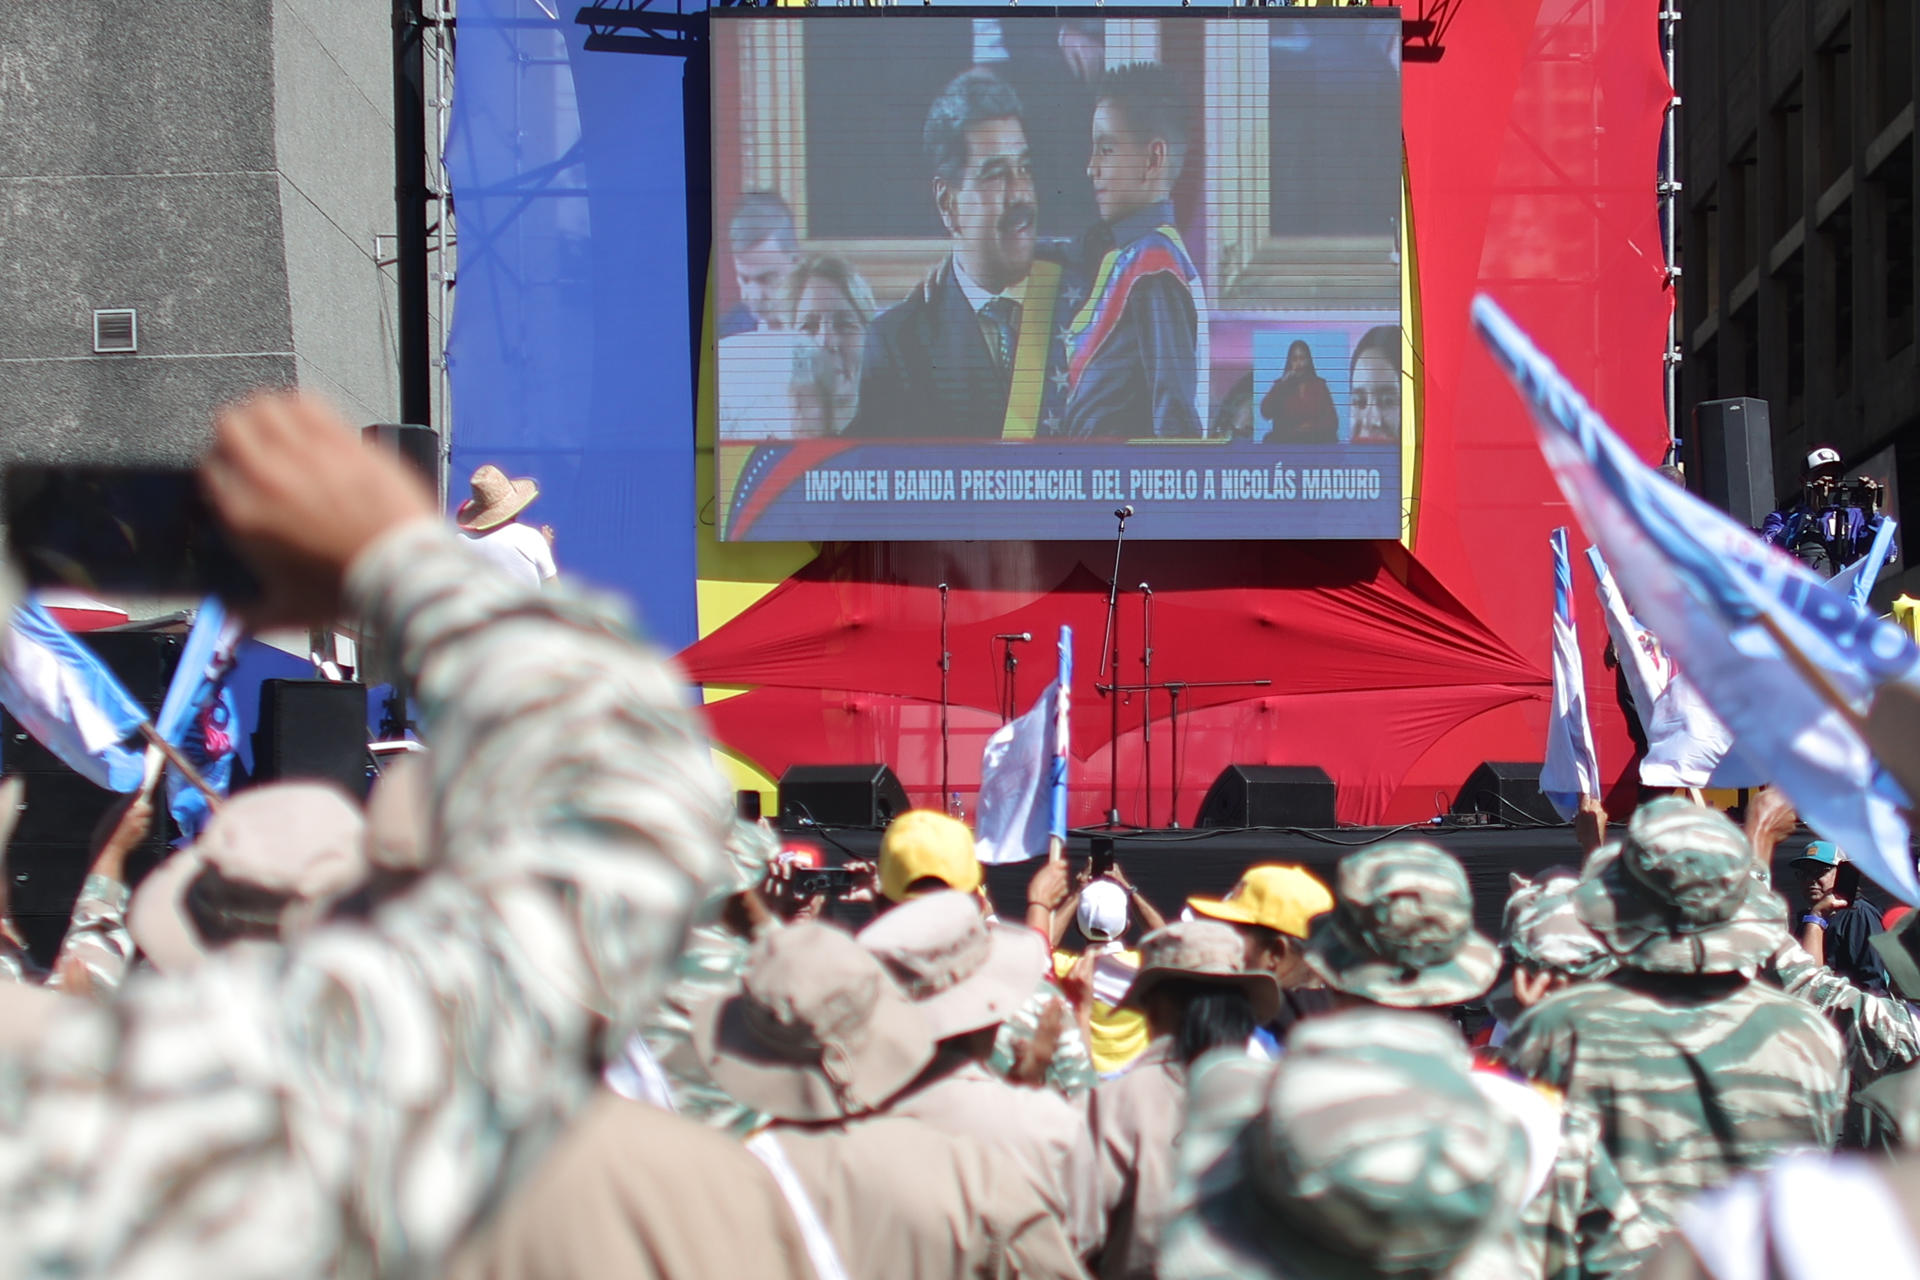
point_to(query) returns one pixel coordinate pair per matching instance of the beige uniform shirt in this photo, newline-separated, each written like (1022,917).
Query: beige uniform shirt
(903,1199)
(1041,1130)
(639,1193)
(1136,1119)
(351,1104)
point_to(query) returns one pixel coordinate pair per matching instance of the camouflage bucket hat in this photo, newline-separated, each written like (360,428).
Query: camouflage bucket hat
(1677,894)
(1401,930)
(1366,1151)
(1541,929)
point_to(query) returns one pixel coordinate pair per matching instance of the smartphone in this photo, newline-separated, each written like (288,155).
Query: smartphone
(120,531)
(830,882)
(1101,861)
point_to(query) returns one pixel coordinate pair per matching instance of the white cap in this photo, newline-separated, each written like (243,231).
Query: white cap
(1822,457)
(1102,913)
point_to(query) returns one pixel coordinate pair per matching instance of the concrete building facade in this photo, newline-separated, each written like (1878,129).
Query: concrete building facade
(1799,240)
(225,170)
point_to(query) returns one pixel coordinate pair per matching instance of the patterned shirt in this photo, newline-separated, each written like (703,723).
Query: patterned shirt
(1691,1080)
(97,940)
(351,1104)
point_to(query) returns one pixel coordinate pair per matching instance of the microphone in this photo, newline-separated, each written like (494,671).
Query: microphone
(1019,637)
(1145,590)
(943,588)
(1123,512)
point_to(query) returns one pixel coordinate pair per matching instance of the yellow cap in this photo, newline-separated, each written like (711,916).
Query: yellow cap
(1283,899)
(924,844)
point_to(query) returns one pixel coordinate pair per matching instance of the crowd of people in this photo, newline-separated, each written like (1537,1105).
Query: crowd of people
(547,1009)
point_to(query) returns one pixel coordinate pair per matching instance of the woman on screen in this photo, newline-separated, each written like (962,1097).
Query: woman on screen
(1374,387)
(832,310)
(800,379)
(1298,404)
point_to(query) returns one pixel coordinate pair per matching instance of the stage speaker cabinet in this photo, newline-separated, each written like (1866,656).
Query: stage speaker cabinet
(1729,453)
(840,795)
(417,446)
(313,730)
(1507,791)
(1269,795)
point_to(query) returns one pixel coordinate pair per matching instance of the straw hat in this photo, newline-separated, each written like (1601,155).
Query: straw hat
(495,499)
(964,974)
(818,1030)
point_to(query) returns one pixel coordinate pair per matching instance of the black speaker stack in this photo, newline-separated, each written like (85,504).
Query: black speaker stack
(313,730)
(1269,795)
(48,856)
(1507,792)
(840,795)
(1729,453)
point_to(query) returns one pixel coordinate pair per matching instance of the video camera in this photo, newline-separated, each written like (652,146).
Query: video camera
(1855,491)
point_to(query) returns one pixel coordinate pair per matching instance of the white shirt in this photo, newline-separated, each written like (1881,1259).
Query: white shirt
(519,549)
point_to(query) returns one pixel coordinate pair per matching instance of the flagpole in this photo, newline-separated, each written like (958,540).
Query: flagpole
(1822,683)
(180,762)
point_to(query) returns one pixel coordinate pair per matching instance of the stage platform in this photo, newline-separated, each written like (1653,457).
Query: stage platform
(1170,866)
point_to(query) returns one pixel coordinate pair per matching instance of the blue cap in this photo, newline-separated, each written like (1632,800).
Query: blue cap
(1824,852)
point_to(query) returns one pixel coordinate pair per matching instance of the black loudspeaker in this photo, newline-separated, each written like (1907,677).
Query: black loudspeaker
(840,795)
(47,857)
(313,729)
(1269,795)
(1507,791)
(1729,455)
(418,447)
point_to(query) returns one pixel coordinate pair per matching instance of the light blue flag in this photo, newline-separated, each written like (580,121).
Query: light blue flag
(1687,746)
(1572,768)
(1856,581)
(64,696)
(1023,775)
(1710,589)
(198,715)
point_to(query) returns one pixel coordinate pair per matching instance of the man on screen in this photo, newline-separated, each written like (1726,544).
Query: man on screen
(1132,357)
(766,248)
(941,363)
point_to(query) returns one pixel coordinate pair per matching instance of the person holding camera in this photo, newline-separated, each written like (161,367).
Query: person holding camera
(1832,522)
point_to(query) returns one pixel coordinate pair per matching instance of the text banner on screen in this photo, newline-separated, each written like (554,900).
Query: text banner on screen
(985,273)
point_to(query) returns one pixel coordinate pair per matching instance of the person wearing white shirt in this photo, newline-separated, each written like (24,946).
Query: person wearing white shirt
(489,522)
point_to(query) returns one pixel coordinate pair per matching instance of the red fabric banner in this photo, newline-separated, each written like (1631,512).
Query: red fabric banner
(1531,145)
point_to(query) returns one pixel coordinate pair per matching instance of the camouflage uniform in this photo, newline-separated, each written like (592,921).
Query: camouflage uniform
(1070,1070)
(1365,1151)
(1693,1070)
(349,1105)
(709,967)
(1542,931)
(1401,930)
(96,939)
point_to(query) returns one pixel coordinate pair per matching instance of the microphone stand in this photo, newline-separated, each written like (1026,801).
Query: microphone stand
(1174,689)
(1110,652)
(1010,704)
(1146,703)
(946,667)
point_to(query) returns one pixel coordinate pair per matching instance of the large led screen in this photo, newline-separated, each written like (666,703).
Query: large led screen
(995,276)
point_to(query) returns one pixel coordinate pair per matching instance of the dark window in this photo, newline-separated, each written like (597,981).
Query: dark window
(1836,105)
(1701,259)
(1790,294)
(1836,236)
(1706,362)
(1891,22)
(1790,149)
(1743,216)
(1894,181)
(1743,352)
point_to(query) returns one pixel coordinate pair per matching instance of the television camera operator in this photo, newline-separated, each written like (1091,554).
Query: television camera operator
(1833,520)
